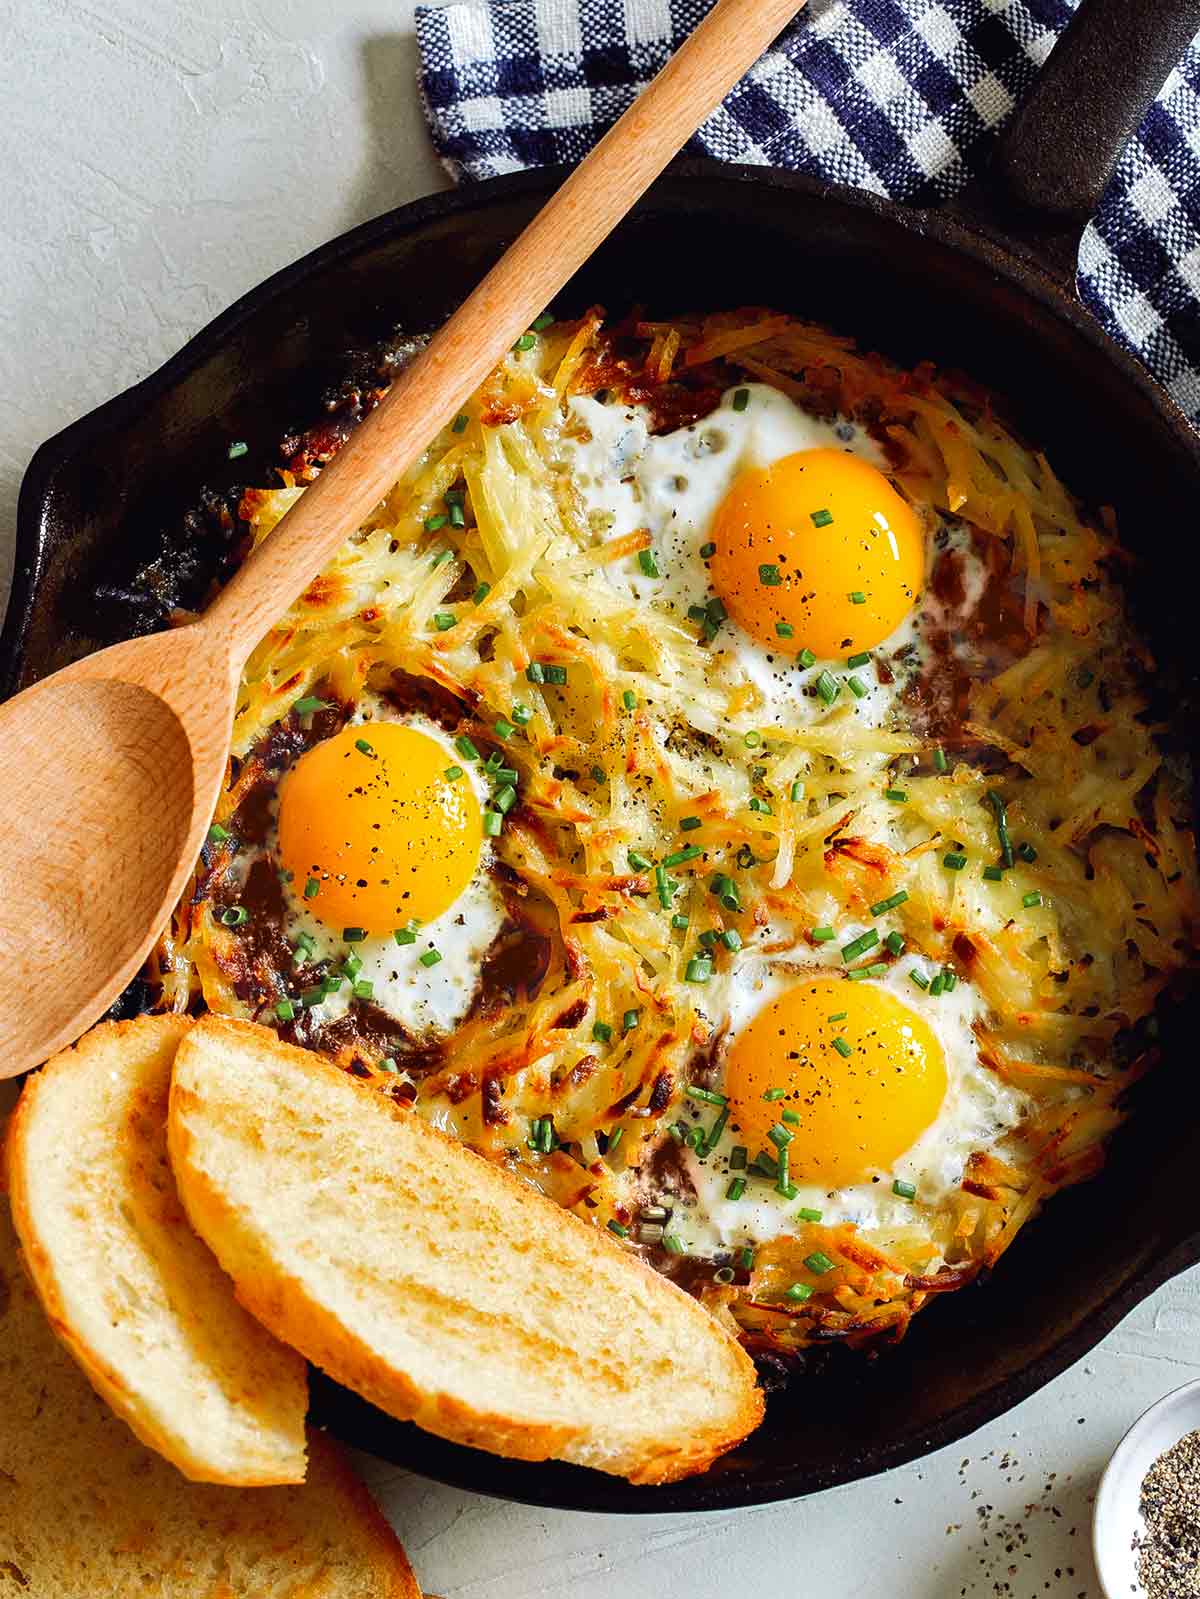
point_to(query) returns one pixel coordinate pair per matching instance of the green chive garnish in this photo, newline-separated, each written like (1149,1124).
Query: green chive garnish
(773,1094)
(362,745)
(309,704)
(543,321)
(648,563)
(503,728)
(741,399)
(894,943)
(312,888)
(699,969)
(405,935)
(353,935)
(898,796)
(217,834)
(285,1010)
(797,791)
(707,551)
(940,763)
(672,1245)
(863,658)
(614,1138)
(857,597)
(1027,852)
(903,1190)
(843,1047)
(706,1096)
(883,905)
(856,686)
(769,575)
(689,824)
(493,821)
(525,342)
(737,1158)
(806,658)
(993,874)
(1031,899)
(919,978)
(433,523)
(805,1213)
(615,1227)
(679,920)
(828,687)
(629,700)
(630,1020)
(731,939)
(954,861)
(459,425)
(821,518)
(822,935)
(431,957)
(444,620)
(235,916)
(601,1032)
(799,1292)
(237,449)
(818,1262)
(680,857)
(466,747)
(481,593)
(860,945)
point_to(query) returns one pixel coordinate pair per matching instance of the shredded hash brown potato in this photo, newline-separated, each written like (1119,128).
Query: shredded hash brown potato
(1063,734)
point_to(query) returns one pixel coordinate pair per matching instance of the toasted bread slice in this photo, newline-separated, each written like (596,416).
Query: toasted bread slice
(136,1297)
(434,1283)
(86,1510)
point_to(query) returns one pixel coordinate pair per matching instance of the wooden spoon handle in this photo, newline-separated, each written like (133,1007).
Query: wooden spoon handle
(590,203)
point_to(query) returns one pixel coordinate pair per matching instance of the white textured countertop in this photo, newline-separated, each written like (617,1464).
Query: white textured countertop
(160,157)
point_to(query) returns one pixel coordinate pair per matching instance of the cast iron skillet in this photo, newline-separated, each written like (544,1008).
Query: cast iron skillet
(986,286)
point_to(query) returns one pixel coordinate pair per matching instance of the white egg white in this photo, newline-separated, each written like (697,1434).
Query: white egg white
(673,484)
(977,1111)
(423,998)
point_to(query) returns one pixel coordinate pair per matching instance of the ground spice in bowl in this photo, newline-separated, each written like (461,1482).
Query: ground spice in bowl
(1168,1554)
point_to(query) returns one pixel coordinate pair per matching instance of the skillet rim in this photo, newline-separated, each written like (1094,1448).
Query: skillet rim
(550,1484)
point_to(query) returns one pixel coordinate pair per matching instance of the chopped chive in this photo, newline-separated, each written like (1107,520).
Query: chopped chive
(919,978)
(818,1262)
(466,747)
(680,857)
(630,1020)
(481,593)
(784,629)
(671,1244)
(752,740)
(680,921)
(458,517)
(843,1047)
(805,1213)
(839,1016)
(235,916)
(898,796)
(857,687)
(629,700)
(797,791)
(364,989)
(783,1183)
(708,939)
(949,980)
(731,939)
(363,746)
(503,728)
(285,1010)
(790,1117)
(894,943)
(993,874)
(883,905)
(707,551)
(940,763)
(822,935)
(388,1065)
(1027,852)
(860,945)
(937,984)
(1031,899)
(521,715)
(444,620)
(769,575)
(772,1094)
(453,773)
(799,1292)
(525,342)
(637,861)
(861,974)
(828,687)
(493,821)
(602,1032)
(598,774)
(535,672)
(689,824)
(431,957)
(353,935)
(699,969)
(440,559)
(857,597)
(352,965)
(780,1136)
(614,1138)
(556,675)
(904,1190)
(821,518)
(706,1096)
(736,1189)
(405,935)
(648,563)
(806,658)
(615,1227)
(543,321)
(312,888)
(237,449)
(737,1158)
(433,523)
(863,658)
(504,799)
(954,861)
(741,399)
(459,425)
(309,704)
(217,834)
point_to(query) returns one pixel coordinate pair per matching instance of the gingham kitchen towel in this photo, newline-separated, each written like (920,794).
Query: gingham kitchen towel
(897,96)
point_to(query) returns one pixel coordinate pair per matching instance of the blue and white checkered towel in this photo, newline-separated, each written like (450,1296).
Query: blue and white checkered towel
(897,96)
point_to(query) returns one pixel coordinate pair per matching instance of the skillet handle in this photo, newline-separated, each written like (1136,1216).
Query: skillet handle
(1051,163)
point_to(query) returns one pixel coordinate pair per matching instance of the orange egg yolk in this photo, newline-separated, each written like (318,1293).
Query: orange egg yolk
(372,818)
(820,544)
(861,1073)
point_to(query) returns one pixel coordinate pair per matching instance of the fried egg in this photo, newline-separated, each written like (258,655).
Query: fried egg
(782,527)
(379,839)
(874,1088)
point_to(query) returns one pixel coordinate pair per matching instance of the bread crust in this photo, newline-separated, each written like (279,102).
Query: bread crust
(284,1304)
(99,1050)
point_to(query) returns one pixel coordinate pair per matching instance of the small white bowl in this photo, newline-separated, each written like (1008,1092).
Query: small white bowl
(1117,1518)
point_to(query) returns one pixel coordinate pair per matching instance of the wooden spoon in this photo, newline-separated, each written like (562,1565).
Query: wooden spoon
(113,765)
